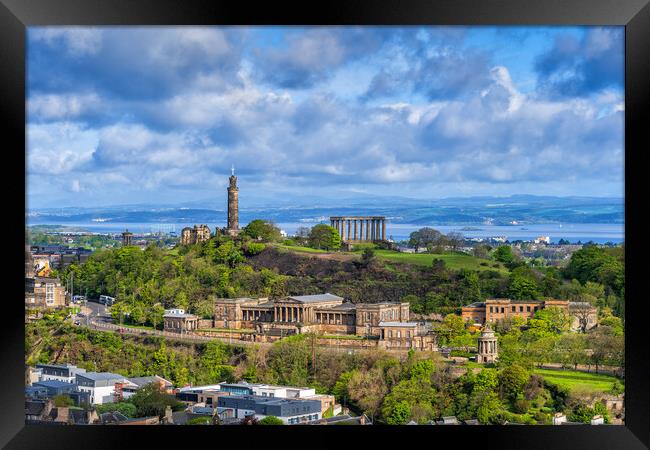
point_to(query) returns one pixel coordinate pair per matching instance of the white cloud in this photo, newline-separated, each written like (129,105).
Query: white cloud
(61,107)
(78,41)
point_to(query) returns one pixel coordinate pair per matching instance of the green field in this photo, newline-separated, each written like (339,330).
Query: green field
(453,261)
(578,381)
(296,248)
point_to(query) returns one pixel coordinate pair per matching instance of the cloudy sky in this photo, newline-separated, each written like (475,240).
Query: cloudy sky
(123,115)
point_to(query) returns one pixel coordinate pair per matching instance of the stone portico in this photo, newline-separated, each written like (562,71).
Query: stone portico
(359,229)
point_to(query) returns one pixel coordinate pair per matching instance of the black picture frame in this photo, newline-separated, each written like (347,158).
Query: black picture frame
(16,15)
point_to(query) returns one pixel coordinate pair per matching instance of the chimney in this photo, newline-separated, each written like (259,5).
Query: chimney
(63,414)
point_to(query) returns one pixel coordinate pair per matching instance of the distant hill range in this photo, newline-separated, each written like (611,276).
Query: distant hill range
(522,209)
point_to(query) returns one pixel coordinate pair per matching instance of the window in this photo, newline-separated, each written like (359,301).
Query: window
(528,308)
(514,308)
(502,310)
(49,293)
(535,308)
(399,334)
(390,333)
(408,334)
(521,309)
(491,310)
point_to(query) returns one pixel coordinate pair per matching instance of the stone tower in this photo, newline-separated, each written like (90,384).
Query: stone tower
(233,205)
(126,238)
(487,346)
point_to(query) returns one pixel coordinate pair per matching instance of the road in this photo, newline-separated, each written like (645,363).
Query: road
(97,317)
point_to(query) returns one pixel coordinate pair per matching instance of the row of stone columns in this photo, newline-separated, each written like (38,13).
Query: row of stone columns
(289,314)
(487,347)
(248,314)
(354,228)
(334,318)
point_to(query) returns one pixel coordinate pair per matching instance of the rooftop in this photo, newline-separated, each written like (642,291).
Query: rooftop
(327,297)
(59,366)
(179,315)
(398,324)
(141,381)
(97,376)
(53,384)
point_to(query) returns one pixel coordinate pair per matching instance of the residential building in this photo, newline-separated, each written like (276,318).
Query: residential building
(59,372)
(290,411)
(44,292)
(100,386)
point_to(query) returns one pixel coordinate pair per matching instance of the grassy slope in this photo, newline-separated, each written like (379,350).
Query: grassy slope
(296,248)
(578,381)
(453,261)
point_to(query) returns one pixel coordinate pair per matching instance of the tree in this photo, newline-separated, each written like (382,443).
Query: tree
(487,406)
(424,237)
(503,253)
(523,284)
(63,400)
(398,414)
(151,401)
(593,263)
(415,304)
(367,389)
(271,420)
(481,251)
(551,320)
(417,394)
(324,237)
(126,408)
(156,314)
(455,240)
(512,380)
(582,311)
(367,257)
(263,230)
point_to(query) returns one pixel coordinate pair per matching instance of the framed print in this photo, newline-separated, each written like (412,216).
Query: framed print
(384,217)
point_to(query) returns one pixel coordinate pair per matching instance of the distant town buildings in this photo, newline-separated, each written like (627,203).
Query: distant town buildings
(200,233)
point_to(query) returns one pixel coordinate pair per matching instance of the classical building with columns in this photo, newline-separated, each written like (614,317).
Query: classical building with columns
(356,229)
(488,350)
(321,313)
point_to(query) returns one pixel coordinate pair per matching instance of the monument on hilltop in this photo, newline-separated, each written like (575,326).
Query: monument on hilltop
(233,205)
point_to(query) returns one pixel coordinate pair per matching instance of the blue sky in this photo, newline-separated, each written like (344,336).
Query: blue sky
(123,115)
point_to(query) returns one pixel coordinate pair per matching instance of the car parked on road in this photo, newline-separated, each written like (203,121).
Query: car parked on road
(76,322)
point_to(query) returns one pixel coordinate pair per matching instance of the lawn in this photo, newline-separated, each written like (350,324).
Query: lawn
(453,261)
(578,381)
(297,248)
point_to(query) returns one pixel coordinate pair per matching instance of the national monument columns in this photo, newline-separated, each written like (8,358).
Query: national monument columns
(351,229)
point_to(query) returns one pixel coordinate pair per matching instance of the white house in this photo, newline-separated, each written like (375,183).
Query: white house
(58,372)
(100,385)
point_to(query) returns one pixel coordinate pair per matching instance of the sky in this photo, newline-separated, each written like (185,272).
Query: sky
(159,115)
